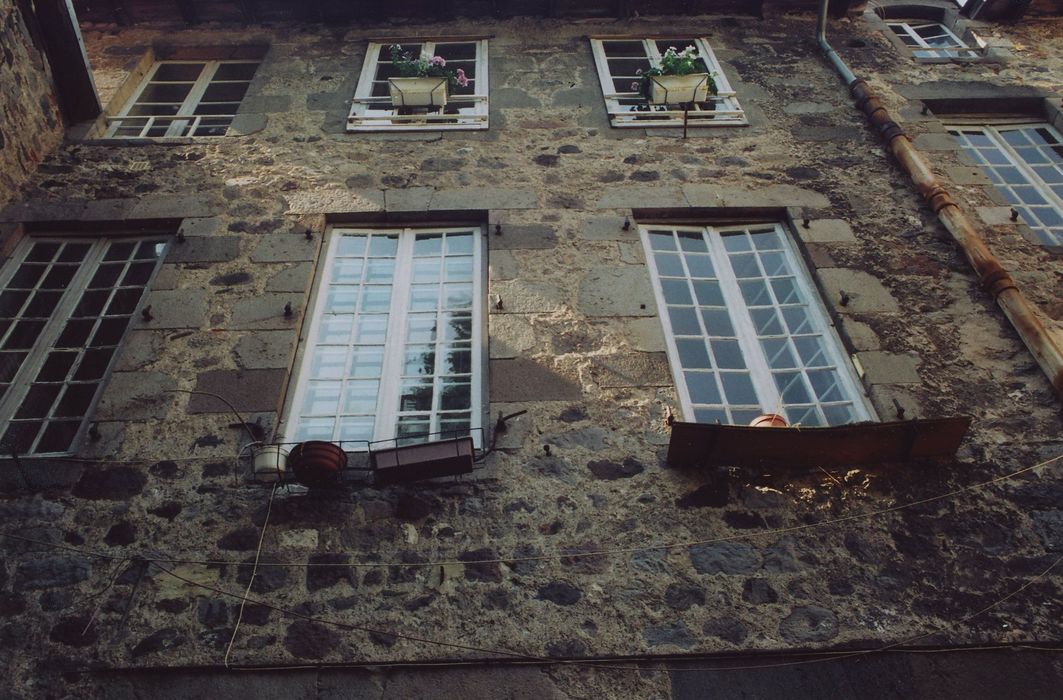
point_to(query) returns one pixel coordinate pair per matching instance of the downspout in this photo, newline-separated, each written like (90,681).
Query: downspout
(992,276)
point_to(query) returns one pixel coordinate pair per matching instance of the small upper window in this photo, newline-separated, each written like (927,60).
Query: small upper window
(65,306)
(1025,163)
(456,98)
(928,40)
(184,98)
(746,334)
(629,96)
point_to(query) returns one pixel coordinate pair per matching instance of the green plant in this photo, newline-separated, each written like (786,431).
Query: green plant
(425,67)
(674,62)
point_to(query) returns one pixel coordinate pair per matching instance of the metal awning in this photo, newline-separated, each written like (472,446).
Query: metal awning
(699,445)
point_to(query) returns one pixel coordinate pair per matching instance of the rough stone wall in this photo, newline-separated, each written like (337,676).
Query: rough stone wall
(576,343)
(30,125)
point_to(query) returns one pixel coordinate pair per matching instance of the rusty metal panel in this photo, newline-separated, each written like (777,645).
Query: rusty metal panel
(424,461)
(705,445)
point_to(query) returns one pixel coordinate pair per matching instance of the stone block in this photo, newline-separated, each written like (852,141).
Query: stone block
(860,335)
(335,201)
(293,279)
(997,216)
(139,348)
(631,369)
(526,379)
(512,98)
(826,231)
(517,429)
(524,236)
(521,296)
(266,312)
(643,334)
(408,199)
(176,206)
(175,308)
(108,209)
(607,228)
(265,104)
(967,175)
(808,107)
(885,399)
(265,349)
(197,249)
(245,124)
(247,390)
(285,247)
(643,197)
(699,195)
(44,210)
(165,279)
(511,335)
(889,368)
(834,134)
(616,291)
(773,196)
(503,265)
(935,142)
(203,226)
(866,292)
(131,396)
(481,198)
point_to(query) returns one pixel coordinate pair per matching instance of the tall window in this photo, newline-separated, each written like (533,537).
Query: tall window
(185,98)
(1025,163)
(621,63)
(65,306)
(931,40)
(745,332)
(467,105)
(394,349)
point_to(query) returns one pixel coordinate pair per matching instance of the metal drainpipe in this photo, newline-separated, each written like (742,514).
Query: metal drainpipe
(994,278)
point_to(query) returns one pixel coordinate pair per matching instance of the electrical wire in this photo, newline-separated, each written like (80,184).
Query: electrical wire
(611,551)
(254,572)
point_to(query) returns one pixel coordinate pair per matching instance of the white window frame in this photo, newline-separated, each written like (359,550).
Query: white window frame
(727,113)
(759,371)
(993,132)
(24,377)
(369,113)
(186,121)
(925,51)
(388,401)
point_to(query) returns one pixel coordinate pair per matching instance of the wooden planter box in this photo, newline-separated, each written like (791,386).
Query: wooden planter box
(418,92)
(425,461)
(679,89)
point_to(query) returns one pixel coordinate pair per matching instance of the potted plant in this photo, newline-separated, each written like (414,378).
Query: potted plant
(424,80)
(680,78)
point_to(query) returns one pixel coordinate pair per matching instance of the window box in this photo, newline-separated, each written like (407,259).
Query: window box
(376,108)
(679,89)
(426,461)
(621,64)
(418,92)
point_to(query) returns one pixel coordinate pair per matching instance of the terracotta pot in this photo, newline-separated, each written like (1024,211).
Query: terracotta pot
(270,462)
(768,420)
(316,462)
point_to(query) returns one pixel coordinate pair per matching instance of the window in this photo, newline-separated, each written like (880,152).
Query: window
(466,108)
(395,347)
(65,306)
(1025,163)
(745,333)
(931,40)
(621,63)
(184,98)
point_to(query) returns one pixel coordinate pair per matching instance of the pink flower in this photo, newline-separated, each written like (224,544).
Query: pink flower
(460,77)
(437,61)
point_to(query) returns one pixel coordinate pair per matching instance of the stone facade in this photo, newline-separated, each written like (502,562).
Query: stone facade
(30,125)
(510,558)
